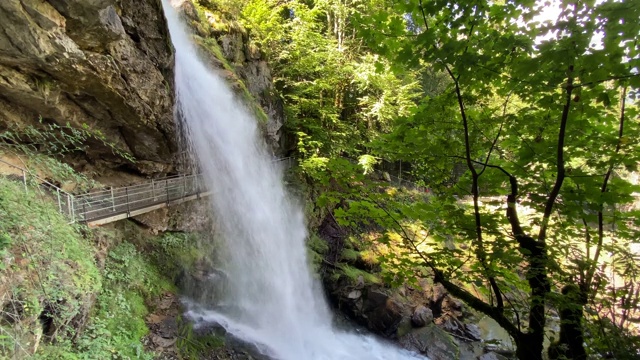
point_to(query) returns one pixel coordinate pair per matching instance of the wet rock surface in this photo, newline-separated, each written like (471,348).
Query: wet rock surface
(171,337)
(431,341)
(243,65)
(422,316)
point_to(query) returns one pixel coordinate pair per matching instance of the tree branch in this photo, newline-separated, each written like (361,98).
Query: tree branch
(424,16)
(493,144)
(560,168)
(455,290)
(603,189)
(481,253)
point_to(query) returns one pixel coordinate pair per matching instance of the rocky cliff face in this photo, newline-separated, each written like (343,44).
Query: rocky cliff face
(103,63)
(108,65)
(229,48)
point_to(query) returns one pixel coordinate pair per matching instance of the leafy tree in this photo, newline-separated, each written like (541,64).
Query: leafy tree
(542,122)
(338,95)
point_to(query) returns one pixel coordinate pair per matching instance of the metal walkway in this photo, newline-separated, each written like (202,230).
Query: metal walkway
(102,207)
(105,206)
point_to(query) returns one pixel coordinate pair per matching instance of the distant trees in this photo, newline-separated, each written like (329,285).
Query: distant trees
(339,96)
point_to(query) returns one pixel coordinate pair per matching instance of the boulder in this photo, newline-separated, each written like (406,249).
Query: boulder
(422,316)
(432,342)
(385,314)
(492,356)
(473,332)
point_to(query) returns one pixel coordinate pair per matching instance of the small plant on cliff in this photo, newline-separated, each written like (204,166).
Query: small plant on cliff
(54,140)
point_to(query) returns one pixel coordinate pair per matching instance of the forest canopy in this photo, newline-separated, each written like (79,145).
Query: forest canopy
(523,126)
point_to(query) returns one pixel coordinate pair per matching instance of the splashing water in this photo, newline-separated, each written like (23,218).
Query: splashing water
(277,304)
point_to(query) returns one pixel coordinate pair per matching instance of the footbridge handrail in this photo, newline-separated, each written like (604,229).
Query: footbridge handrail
(63,198)
(112,204)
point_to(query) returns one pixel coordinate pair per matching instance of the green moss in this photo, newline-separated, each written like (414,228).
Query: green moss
(317,244)
(353,274)
(211,45)
(194,346)
(350,254)
(174,252)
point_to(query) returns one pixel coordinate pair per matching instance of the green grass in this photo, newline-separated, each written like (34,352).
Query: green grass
(194,346)
(48,269)
(130,281)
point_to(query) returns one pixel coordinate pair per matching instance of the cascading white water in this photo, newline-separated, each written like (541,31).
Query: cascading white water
(276,302)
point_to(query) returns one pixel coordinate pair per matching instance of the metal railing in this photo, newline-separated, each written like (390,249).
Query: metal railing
(63,198)
(112,202)
(125,200)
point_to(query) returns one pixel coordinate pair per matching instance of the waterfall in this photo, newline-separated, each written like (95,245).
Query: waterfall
(275,301)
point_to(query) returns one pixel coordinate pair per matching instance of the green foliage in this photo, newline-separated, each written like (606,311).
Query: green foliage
(192,345)
(551,115)
(367,162)
(49,270)
(47,266)
(338,95)
(117,324)
(54,140)
(127,268)
(175,252)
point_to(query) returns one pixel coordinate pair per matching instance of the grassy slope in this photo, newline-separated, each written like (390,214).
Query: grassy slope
(68,292)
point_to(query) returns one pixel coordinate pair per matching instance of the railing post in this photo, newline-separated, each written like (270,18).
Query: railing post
(113,201)
(84,210)
(24,181)
(153,190)
(126,190)
(59,203)
(166,187)
(196,186)
(72,207)
(184,186)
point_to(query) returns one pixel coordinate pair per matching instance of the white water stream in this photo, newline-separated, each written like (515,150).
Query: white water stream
(276,303)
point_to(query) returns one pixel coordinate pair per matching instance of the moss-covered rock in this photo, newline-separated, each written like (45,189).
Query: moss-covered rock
(228,46)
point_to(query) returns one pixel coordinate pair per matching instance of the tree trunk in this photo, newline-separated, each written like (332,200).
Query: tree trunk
(529,346)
